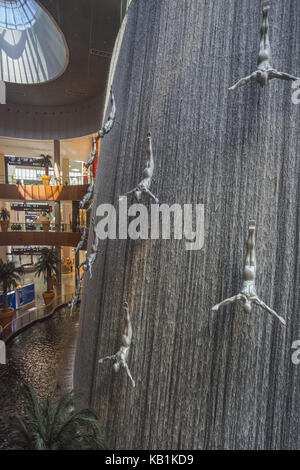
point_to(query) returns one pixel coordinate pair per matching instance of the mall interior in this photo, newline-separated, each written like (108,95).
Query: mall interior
(55,60)
(149,224)
(54,73)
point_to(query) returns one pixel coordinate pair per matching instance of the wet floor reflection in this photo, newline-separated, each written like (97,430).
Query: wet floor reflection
(43,355)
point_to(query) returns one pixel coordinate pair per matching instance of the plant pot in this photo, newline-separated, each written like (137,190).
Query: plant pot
(46,225)
(46,180)
(4,225)
(48,297)
(6,317)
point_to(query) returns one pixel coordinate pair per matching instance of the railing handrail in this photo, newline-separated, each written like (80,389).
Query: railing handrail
(40,313)
(67,181)
(26,227)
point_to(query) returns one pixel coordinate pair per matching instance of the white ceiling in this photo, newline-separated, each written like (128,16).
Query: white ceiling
(74,149)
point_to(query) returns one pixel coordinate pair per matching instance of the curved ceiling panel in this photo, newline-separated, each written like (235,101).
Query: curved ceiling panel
(32,48)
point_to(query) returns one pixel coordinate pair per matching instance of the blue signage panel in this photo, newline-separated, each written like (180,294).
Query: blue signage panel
(19,298)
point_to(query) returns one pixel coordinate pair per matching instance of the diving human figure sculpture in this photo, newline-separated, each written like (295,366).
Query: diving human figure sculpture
(248,295)
(265,71)
(120,358)
(144,186)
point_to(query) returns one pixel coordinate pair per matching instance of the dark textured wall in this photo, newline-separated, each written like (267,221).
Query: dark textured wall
(51,122)
(203,380)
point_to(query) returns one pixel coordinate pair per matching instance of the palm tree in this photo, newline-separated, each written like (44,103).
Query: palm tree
(53,424)
(4,219)
(4,214)
(10,278)
(47,265)
(47,161)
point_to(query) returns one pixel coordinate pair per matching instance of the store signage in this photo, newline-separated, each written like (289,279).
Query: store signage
(25,161)
(25,251)
(30,207)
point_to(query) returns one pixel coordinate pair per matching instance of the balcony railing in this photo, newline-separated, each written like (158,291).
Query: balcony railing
(70,181)
(36,227)
(32,316)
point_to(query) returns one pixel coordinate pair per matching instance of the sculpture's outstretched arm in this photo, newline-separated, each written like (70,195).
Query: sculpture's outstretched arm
(281,75)
(129,193)
(128,373)
(90,206)
(269,310)
(230,300)
(107,358)
(147,191)
(243,81)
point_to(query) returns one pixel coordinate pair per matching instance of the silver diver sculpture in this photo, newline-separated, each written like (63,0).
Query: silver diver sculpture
(88,196)
(248,296)
(120,358)
(75,299)
(87,203)
(265,71)
(82,239)
(144,186)
(105,129)
(91,258)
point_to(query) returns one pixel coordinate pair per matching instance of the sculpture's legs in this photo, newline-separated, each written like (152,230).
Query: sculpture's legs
(282,76)
(149,151)
(127,336)
(107,127)
(129,193)
(251,256)
(93,156)
(147,191)
(243,81)
(264,47)
(107,358)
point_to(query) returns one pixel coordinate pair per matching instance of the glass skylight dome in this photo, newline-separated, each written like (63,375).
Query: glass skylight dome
(18,14)
(32,47)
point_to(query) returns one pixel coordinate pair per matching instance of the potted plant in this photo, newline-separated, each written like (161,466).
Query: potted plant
(45,221)
(52,424)
(47,265)
(9,278)
(47,161)
(4,219)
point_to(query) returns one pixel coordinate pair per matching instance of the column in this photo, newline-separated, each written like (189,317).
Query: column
(57,159)
(65,170)
(2,169)
(75,216)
